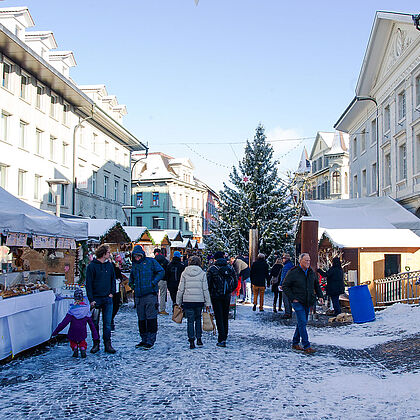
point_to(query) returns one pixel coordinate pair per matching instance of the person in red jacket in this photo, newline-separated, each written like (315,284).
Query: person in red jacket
(78,316)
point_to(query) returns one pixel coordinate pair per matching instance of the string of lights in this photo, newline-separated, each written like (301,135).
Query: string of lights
(208,160)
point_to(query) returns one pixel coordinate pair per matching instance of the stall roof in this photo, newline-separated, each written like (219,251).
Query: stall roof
(372,238)
(135,233)
(201,245)
(185,243)
(159,236)
(174,235)
(362,213)
(100,227)
(194,243)
(18,216)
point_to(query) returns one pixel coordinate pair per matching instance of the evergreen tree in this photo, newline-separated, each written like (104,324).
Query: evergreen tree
(257,199)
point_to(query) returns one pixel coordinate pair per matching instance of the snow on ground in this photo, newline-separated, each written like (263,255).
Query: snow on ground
(256,377)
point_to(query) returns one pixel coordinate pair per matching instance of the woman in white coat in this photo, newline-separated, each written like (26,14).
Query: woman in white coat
(193,294)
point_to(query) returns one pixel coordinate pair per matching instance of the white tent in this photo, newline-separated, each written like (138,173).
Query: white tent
(20,217)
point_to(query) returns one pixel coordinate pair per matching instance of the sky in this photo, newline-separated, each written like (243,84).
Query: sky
(197,80)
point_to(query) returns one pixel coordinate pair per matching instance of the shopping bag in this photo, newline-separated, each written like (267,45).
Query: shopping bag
(178,314)
(208,323)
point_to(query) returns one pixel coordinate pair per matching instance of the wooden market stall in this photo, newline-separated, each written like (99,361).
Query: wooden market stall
(139,235)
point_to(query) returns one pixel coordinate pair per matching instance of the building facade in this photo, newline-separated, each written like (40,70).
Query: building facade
(57,139)
(166,195)
(327,176)
(383,120)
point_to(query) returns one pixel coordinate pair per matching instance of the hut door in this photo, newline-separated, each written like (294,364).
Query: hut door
(392,264)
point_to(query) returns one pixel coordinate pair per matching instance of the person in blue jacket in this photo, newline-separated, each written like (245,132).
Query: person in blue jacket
(144,278)
(287,265)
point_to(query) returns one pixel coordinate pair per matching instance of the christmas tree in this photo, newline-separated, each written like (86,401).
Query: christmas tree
(258,198)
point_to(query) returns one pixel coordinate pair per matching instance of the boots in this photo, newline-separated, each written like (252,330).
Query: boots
(274,309)
(192,345)
(76,352)
(199,342)
(95,347)
(109,348)
(83,353)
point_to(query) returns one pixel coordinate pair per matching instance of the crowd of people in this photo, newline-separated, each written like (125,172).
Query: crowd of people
(194,290)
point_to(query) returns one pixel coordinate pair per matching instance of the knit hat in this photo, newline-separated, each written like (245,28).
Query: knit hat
(219,254)
(177,254)
(78,295)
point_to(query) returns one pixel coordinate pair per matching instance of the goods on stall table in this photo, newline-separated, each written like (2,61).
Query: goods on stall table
(24,289)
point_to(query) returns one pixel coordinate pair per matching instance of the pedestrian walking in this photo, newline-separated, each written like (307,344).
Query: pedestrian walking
(100,289)
(242,270)
(300,285)
(78,316)
(116,298)
(222,281)
(144,278)
(335,283)
(173,275)
(287,265)
(275,283)
(193,294)
(163,287)
(260,277)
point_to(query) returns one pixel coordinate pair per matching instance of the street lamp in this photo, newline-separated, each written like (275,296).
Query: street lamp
(52,182)
(124,208)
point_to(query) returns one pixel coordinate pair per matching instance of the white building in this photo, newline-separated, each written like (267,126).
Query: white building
(51,129)
(383,120)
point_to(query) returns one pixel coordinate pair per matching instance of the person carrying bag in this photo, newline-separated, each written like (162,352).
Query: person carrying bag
(178,314)
(208,322)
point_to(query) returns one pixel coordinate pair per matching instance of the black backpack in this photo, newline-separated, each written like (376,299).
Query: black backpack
(228,281)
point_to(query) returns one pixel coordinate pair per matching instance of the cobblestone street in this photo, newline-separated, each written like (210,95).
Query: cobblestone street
(255,377)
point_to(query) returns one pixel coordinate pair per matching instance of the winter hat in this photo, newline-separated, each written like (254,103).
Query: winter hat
(177,254)
(78,295)
(219,254)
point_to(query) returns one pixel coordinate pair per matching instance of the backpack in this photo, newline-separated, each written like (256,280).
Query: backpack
(228,279)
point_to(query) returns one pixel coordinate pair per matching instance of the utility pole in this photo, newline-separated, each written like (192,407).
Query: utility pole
(253,245)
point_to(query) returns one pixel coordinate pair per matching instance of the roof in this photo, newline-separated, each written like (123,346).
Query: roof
(185,243)
(340,143)
(174,235)
(135,232)
(304,163)
(20,217)
(158,236)
(372,238)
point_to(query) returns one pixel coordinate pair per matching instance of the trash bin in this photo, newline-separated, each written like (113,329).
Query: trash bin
(361,304)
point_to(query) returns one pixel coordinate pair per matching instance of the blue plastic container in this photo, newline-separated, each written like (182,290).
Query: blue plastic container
(361,304)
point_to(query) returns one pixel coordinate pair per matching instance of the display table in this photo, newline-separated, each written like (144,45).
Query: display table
(25,322)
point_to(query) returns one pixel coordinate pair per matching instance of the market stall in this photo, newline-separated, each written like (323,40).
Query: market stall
(160,240)
(34,244)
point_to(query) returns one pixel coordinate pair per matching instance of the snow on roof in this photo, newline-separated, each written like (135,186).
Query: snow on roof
(134,232)
(173,234)
(98,227)
(327,137)
(193,243)
(340,143)
(157,235)
(362,213)
(201,245)
(372,238)
(181,244)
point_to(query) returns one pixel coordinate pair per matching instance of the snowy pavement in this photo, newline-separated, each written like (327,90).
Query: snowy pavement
(256,377)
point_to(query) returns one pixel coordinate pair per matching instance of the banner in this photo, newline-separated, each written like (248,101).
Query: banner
(43,241)
(16,239)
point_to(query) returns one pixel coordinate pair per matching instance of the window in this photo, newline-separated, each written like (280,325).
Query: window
(139,221)
(180,223)
(373,132)
(94,178)
(354,151)
(336,182)
(52,147)
(106,150)
(418,152)
(155,221)
(5,118)
(198,204)
(364,182)
(39,96)
(125,193)
(126,163)
(417,91)
(22,134)
(139,199)
(64,153)
(94,142)
(401,105)
(5,80)
(106,186)
(54,100)
(38,141)
(373,178)
(24,86)
(173,222)
(363,141)
(66,109)
(3,176)
(116,186)
(21,182)
(62,189)
(355,187)
(402,161)
(387,118)
(116,157)
(51,196)
(346,183)
(314,166)
(155,199)
(387,169)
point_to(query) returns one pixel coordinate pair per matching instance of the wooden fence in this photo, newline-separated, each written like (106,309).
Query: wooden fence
(401,287)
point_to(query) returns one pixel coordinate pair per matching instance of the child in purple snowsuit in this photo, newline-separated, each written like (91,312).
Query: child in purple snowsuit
(78,316)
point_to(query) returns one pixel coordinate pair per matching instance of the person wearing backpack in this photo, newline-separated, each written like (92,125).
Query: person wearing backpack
(222,281)
(260,277)
(275,283)
(173,275)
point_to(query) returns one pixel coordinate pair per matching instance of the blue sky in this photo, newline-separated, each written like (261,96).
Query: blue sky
(211,73)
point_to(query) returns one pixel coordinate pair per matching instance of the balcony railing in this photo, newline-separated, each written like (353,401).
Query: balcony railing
(401,287)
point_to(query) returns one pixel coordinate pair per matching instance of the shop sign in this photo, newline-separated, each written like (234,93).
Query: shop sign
(43,241)
(16,239)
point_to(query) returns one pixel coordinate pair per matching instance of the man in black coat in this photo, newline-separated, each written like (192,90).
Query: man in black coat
(173,275)
(163,287)
(300,285)
(260,277)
